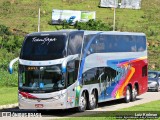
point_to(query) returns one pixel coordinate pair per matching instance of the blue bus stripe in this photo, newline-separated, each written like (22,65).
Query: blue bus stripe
(83,59)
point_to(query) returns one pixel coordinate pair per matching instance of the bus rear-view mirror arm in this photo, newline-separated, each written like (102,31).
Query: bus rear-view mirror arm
(10,68)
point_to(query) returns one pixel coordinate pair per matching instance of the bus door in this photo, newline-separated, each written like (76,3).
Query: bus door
(71,76)
(111,80)
(102,82)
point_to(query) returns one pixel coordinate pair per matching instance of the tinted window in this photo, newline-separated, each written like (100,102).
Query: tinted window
(152,75)
(140,43)
(89,45)
(101,74)
(144,71)
(110,74)
(75,43)
(121,43)
(115,43)
(71,78)
(43,47)
(72,70)
(46,79)
(90,76)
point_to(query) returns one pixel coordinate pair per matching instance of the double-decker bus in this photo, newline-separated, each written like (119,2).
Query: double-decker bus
(75,68)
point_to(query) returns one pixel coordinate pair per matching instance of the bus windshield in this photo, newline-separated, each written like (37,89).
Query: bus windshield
(152,75)
(48,47)
(41,79)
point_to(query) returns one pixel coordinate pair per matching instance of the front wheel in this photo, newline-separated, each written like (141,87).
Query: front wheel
(127,98)
(83,103)
(93,101)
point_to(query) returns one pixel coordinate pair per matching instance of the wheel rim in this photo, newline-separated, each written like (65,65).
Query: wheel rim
(93,100)
(134,93)
(128,94)
(82,102)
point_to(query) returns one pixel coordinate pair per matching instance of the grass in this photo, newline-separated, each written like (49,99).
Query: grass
(151,107)
(23,15)
(27,13)
(8,95)
(7,79)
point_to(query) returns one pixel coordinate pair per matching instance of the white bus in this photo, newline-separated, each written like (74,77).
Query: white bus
(74,68)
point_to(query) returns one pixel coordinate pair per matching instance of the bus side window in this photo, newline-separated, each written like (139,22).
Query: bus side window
(75,43)
(119,74)
(100,44)
(89,77)
(71,78)
(89,45)
(110,75)
(71,73)
(140,43)
(100,74)
(144,71)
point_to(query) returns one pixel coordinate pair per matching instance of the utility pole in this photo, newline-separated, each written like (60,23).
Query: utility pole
(114,19)
(39,20)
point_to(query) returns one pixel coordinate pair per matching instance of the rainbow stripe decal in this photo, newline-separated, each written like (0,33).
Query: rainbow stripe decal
(123,66)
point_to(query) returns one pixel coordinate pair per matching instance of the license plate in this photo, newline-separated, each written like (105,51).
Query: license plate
(39,105)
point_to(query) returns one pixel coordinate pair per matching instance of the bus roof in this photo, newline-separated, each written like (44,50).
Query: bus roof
(65,32)
(114,33)
(86,32)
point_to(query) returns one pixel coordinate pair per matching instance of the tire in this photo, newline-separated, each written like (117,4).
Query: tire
(127,98)
(83,103)
(157,88)
(134,93)
(93,101)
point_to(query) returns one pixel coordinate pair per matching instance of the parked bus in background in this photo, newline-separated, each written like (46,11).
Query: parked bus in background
(74,68)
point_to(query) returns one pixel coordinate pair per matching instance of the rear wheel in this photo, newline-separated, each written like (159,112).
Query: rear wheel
(127,98)
(83,103)
(93,101)
(134,93)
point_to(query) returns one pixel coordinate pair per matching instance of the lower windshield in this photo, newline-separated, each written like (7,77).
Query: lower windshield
(41,79)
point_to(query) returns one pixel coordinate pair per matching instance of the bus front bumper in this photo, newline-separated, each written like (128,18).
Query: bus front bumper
(25,103)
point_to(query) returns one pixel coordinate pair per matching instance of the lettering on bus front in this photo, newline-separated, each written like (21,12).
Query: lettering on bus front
(44,40)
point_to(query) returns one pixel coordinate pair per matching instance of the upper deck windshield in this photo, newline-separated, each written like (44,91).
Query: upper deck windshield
(43,47)
(41,79)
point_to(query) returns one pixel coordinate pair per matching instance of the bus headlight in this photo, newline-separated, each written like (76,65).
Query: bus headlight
(59,96)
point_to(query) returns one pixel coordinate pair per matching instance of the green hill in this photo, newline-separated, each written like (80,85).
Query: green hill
(21,16)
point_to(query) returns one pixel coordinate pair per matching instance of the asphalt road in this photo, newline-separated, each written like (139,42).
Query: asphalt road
(102,107)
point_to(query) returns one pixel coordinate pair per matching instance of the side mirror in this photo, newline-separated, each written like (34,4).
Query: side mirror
(10,68)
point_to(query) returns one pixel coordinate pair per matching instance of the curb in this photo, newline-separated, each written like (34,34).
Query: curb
(8,106)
